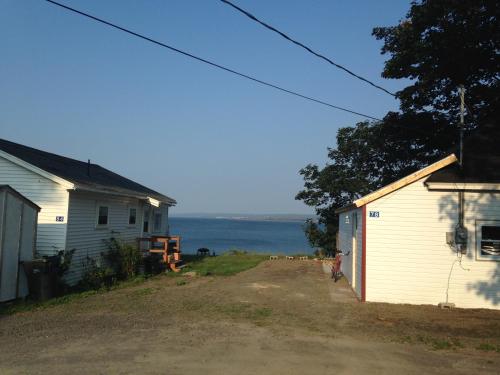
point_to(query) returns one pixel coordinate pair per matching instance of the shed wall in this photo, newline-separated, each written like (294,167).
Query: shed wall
(408,260)
(351,243)
(17,239)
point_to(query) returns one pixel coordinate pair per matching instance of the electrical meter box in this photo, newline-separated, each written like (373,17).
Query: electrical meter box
(461,237)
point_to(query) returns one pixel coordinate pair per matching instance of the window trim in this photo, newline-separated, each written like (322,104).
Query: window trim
(479,225)
(146,209)
(98,207)
(155,214)
(130,208)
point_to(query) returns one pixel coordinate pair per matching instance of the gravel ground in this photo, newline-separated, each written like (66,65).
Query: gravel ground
(282,317)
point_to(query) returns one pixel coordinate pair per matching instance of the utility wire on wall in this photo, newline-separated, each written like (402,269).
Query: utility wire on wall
(210,62)
(267,26)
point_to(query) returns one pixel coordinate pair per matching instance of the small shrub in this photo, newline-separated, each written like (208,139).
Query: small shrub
(123,258)
(64,259)
(96,275)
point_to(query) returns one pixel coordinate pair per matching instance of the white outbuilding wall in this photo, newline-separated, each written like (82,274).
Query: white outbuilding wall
(351,244)
(408,259)
(18,218)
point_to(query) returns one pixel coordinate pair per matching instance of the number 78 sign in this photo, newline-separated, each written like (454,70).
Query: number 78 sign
(374,213)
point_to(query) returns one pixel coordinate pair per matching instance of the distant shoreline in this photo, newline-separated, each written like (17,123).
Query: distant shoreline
(248,217)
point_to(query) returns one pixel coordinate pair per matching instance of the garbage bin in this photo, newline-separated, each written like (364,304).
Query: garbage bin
(42,277)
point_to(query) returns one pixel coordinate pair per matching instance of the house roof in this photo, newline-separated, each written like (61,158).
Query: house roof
(84,176)
(481,160)
(20,196)
(449,160)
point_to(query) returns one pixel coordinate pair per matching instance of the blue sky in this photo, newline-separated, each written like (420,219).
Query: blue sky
(213,141)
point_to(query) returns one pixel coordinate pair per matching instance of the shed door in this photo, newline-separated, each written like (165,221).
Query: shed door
(354,248)
(9,256)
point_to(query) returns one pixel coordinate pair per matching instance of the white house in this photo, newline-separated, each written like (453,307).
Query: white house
(82,204)
(401,241)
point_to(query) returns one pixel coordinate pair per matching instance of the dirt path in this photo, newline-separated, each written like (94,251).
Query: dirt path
(279,318)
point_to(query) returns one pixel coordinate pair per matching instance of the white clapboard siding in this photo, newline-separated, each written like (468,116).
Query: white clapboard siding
(86,238)
(50,196)
(346,246)
(408,260)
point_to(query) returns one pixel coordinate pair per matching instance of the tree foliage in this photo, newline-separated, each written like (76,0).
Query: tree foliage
(441,45)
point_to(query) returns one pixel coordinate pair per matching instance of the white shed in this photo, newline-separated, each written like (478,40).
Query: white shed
(18,219)
(82,203)
(401,241)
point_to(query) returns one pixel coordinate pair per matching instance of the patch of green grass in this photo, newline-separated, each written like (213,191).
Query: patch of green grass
(223,265)
(262,312)
(439,343)
(487,347)
(29,305)
(181,282)
(142,292)
(245,311)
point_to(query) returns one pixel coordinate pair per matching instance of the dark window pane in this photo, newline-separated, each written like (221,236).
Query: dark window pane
(103,215)
(157,223)
(132,216)
(490,240)
(490,232)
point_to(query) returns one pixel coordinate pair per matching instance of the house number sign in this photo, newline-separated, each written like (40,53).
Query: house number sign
(374,213)
(60,218)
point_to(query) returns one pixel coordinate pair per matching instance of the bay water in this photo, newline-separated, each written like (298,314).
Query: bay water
(221,235)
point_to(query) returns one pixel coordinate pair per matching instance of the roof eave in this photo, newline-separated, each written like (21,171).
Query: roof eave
(450,159)
(163,199)
(52,177)
(462,186)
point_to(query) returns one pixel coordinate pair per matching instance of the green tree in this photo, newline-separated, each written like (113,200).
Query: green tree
(441,45)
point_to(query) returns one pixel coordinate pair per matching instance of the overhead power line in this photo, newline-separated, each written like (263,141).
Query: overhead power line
(210,62)
(267,26)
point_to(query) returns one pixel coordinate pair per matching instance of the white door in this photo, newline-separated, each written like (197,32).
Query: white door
(354,248)
(9,255)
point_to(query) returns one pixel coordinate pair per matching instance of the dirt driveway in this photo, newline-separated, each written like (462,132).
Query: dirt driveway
(278,318)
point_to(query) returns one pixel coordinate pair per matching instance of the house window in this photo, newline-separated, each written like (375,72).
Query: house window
(132,216)
(157,222)
(145,223)
(102,215)
(488,239)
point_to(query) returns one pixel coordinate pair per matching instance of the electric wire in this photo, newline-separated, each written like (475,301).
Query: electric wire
(210,62)
(310,50)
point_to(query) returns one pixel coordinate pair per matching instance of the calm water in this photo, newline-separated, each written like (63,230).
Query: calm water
(221,235)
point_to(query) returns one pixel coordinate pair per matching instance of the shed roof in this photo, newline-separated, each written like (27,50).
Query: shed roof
(84,176)
(20,196)
(449,160)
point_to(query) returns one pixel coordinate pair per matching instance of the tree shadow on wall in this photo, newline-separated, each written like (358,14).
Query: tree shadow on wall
(481,206)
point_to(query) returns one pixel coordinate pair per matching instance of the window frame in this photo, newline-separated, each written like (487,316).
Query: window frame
(479,225)
(146,218)
(130,208)
(155,215)
(97,215)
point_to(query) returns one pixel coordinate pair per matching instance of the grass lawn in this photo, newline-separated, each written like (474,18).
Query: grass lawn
(223,265)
